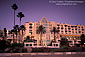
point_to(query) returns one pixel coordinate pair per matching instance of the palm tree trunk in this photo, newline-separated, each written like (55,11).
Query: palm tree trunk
(13,37)
(40,39)
(54,37)
(19,37)
(14,17)
(16,37)
(41,42)
(20,20)
(22,35)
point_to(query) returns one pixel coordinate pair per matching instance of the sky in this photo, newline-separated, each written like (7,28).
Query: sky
(35,10)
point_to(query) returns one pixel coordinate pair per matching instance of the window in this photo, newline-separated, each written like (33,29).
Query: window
(45,24)
(30,27)
(27,44)
(61,27)
(74,40)
(61,31)
(65,31)
(30,30)
(30,33)
(37,27)
(79,31)
(69,31)
(79,41)
(30,24)
(71,44)
(70,41)
(37,32)
(35,44)
(58,28)
(72,26)
(79,27)
(76,32)
(76,29)
(75,26)
(56,44)
(82,29)
(69,28)
(82,32)
(30,44)
(50,24)
(58,25)
(51,28)
(65,28)
(59,40)
(72,29)
(65,25)
(37,24)
(46,28)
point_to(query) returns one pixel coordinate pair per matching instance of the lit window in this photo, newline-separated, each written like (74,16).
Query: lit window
(39,37)
(33,24)
(29,33)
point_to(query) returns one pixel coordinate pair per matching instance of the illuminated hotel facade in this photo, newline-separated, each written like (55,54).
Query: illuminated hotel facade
(71,32)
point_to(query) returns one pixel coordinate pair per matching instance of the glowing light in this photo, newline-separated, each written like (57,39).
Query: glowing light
(33,24)
(7,31)
(74,38)
(39,37)
(29,33)
(70,38)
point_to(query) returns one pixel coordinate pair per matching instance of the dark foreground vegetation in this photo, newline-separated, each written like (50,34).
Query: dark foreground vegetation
(6,47)
(64,49)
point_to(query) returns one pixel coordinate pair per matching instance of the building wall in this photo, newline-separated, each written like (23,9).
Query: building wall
(66,30)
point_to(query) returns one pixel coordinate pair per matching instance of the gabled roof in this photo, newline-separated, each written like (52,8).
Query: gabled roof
(44,20)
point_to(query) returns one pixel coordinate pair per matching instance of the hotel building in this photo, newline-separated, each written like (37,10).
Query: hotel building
(71,32)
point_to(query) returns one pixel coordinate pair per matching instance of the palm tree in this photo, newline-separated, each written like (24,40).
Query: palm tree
(12,32)
(20,15)
(19,34)
(64,42)
(55,31)
(23,29)
(14,6)
(82,37)
(16,30)
(41,30)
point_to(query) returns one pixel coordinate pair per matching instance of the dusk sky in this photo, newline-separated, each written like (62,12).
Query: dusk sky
(35,10)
